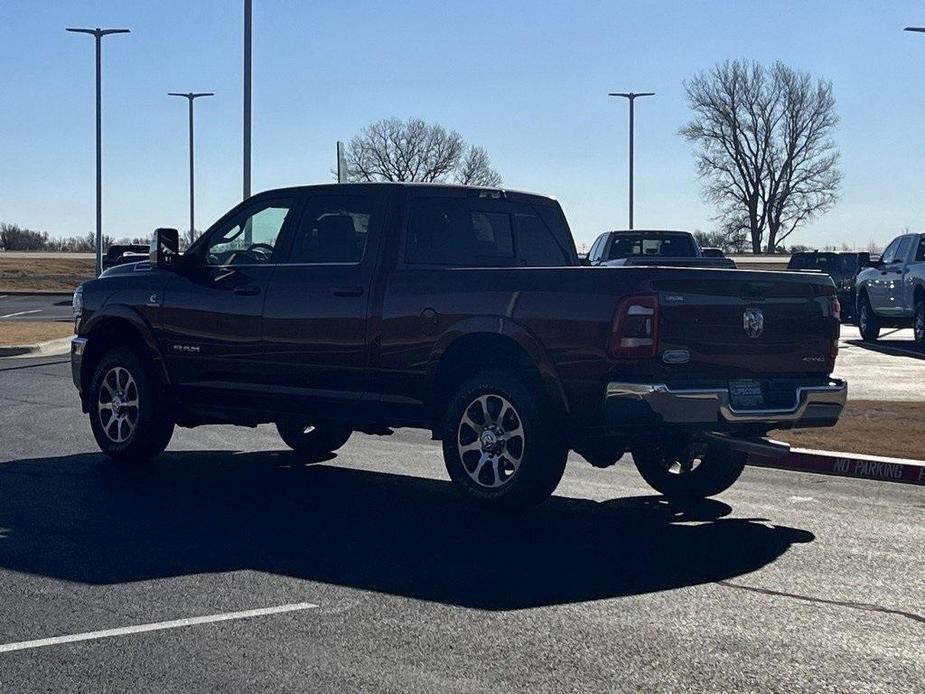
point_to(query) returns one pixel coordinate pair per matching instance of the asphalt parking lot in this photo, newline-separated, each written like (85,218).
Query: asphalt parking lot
(35,307)
(891,368)
(365,572)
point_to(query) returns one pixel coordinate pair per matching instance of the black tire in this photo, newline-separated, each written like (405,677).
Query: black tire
(523,460)
(868,321)
(120,379)
(918,323)
(313,441)
(715,470)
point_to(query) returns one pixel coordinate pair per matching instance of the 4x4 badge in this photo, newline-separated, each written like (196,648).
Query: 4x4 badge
(753,322)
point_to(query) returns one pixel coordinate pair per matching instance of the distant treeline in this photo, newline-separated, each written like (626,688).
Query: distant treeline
(15,238)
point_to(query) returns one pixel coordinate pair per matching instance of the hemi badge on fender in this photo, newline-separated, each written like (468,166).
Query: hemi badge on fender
(676,356)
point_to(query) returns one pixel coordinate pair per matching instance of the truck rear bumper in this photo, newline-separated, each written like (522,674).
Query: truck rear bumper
(630,406)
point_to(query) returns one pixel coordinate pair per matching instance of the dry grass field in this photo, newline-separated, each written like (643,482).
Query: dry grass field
(14,333)
(43,274)
(874,427)
(762,266)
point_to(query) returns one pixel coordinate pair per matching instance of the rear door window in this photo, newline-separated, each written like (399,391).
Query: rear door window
(448,232)
(554,220)
(536,246)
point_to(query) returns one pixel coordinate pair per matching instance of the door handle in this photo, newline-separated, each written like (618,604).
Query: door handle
(348,291)
(247,290)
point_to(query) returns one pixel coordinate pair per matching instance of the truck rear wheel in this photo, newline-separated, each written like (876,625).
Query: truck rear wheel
(689,473)
(313,441)
(868,322)
(499,444)
(129,412)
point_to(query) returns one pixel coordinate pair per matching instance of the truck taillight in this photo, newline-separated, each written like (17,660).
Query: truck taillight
(635,328)
(836,308)
(836,314)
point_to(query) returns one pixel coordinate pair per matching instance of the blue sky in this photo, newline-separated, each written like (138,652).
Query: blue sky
(526,80)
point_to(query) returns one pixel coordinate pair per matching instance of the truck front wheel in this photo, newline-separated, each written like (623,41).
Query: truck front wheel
(689,472)
(129,413)
(499,444)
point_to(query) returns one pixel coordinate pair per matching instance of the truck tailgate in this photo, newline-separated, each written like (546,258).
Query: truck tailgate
(740,324)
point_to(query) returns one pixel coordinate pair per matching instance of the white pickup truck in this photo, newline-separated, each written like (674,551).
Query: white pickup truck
(891,294)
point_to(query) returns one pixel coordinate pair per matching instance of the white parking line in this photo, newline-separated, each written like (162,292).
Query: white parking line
(22,313)
(155,626)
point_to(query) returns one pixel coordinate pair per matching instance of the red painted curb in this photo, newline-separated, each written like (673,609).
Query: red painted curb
(867,467)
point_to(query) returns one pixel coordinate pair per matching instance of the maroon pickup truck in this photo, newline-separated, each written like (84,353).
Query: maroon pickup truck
(333,309)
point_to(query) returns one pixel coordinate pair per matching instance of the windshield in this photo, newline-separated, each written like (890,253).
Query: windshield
(812,261)
(664,245)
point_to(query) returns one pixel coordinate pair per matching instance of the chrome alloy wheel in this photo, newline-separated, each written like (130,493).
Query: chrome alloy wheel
(490,441)
(918,327)
(117,404)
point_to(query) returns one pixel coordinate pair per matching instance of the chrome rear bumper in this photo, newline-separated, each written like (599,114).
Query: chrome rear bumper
(817,405)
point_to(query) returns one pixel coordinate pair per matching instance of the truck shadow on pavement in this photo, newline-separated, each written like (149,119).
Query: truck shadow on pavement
(905,348)
(81,518)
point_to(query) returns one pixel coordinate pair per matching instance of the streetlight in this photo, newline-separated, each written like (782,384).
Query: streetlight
(631,97)
(918,29)
(190,96)
(247,98)
(98,34)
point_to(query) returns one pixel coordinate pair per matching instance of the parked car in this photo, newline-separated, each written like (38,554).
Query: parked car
(334,309)
(652,247)
(892,293)
(843,268)
(120,254)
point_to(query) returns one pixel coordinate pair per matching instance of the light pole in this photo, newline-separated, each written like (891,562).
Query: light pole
(247,98)
(190,97)
(98,34)
(631,97)
(921,30)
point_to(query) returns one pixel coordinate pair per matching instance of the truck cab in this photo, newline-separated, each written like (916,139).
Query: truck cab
(891,293)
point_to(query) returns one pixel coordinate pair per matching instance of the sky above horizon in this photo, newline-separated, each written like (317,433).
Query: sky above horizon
(528,81)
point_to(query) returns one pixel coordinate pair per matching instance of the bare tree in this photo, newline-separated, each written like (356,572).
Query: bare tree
(764,147)
(413,150)
(475,169)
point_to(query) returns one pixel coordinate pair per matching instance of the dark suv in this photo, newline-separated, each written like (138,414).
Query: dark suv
(843,268)
(332,309)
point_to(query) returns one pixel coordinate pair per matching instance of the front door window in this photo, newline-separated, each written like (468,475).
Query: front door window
(250,239)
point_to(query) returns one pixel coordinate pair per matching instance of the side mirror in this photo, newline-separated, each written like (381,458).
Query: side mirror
(165,248)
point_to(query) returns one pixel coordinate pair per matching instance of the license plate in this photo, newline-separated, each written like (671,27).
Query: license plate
(746,395)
